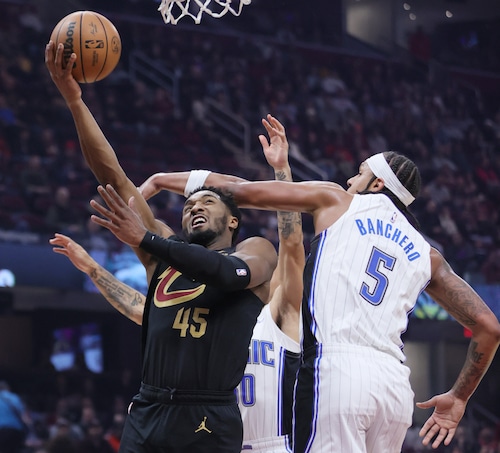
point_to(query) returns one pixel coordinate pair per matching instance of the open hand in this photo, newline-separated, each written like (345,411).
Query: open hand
(121,219)
(443,422)
(276,149)
(66,246)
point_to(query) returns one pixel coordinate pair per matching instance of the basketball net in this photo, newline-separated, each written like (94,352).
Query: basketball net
(174,10)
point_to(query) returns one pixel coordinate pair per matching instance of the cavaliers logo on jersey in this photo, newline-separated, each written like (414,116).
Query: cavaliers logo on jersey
(165,297)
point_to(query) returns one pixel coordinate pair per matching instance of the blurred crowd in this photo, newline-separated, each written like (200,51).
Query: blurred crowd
(75,413)
(338,108)
(79,413)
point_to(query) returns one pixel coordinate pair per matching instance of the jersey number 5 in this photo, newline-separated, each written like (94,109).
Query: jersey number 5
(378,260)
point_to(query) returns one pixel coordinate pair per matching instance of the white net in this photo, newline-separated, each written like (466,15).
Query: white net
(174,10)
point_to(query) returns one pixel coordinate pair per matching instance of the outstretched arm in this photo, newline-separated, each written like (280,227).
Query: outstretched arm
(125,299)
(286,284)
(176,182)
(250,266)
(268,195)
(322,199)
(465,305)
(96,149)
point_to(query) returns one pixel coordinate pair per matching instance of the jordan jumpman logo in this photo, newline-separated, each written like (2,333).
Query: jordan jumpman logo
(203,426)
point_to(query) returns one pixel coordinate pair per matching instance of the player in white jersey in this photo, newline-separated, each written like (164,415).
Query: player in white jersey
(266,391)
(353,377)
(367,267)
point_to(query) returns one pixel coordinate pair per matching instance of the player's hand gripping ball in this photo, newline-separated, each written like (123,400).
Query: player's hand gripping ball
(94,40)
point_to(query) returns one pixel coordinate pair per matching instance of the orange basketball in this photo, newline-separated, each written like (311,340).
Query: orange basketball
(94,40)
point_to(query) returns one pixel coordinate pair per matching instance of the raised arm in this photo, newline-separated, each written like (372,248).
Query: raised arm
(286,284)
(96,149)
(465,305)
(126,300)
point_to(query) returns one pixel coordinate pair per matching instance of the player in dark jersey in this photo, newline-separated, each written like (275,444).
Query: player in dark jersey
(266,391)
(203,300)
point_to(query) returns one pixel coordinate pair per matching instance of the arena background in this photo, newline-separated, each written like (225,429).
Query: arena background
(347,78)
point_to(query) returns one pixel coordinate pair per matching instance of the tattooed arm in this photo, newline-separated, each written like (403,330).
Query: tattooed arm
(465,305)
(286,283)
(125,299)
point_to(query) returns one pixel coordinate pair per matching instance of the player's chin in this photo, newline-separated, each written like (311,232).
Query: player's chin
(201,236)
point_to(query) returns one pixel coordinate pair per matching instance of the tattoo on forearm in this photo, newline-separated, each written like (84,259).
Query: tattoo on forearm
(288,222)
(137,300)
(117,294)
(474,369)
(474,354)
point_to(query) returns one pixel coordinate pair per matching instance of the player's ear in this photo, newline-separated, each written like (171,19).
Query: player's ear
(377,185)
(233,223)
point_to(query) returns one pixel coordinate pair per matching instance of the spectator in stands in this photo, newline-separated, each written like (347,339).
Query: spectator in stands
(463,441)
(114,432)
(94,440)
(13,420)
(62,441)
(487,441)
(63,215)
(34,180)
(7,115)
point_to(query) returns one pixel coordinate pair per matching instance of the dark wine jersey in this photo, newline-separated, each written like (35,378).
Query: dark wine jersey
(195,336)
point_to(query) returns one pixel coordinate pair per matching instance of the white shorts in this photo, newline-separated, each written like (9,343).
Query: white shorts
(351,399)
(278,444)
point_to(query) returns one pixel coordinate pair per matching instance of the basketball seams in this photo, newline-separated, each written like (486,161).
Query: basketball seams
(107,47)
(81,47)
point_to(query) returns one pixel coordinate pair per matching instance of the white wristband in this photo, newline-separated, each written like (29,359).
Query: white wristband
(196,180)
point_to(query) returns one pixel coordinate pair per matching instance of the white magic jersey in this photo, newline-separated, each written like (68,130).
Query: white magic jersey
(266,390)
(381,266)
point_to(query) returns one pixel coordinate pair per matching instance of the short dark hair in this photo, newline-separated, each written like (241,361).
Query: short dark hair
(228,200)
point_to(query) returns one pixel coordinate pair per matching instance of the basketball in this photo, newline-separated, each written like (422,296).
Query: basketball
(94,40)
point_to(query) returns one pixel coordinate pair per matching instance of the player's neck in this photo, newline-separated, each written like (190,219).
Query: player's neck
(219,243)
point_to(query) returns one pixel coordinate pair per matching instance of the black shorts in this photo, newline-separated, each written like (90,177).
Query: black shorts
(174,421)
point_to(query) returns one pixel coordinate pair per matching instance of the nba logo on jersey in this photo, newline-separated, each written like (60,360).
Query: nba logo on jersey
(241,272)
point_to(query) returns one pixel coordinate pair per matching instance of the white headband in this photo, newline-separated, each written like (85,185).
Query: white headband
(196,180)
(380,168)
